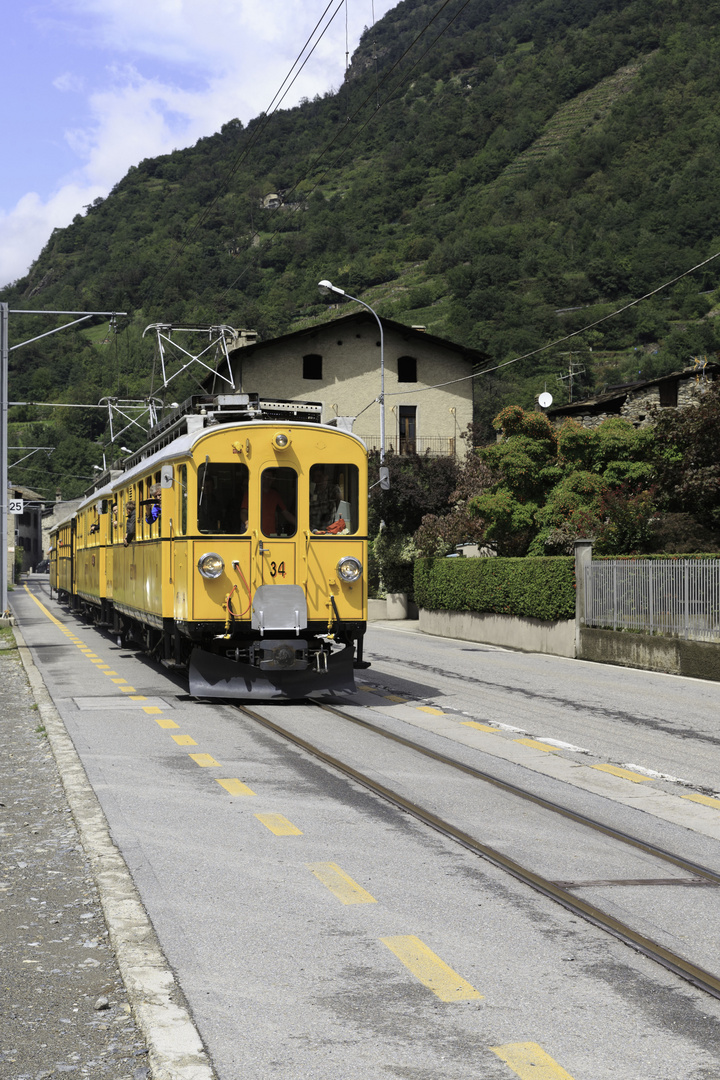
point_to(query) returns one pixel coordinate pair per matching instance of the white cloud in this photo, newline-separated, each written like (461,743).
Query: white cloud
(69,83)
(26,229)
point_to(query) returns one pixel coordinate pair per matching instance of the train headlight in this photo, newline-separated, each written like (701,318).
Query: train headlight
(349,568)
(281,441)
(211,565)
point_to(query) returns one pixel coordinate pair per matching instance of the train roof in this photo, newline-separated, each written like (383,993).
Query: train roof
(184,444)
(178,432)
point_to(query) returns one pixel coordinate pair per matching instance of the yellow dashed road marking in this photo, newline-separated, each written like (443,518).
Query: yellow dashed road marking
(278,824)
(339,883)
(625,774)
(204,760)
(480,727)
(118,681)
(530,1062)
(127,689)
(235,787)
(151,710)
(395,698)
(138,697)
(535,745)
(706,800)
(432,972)
(430,709)
(184,740)
(164,722)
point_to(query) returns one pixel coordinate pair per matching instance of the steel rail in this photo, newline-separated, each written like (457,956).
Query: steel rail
(504,785)
(703,980)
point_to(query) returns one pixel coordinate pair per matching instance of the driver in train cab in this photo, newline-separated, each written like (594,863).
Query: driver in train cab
(324,498)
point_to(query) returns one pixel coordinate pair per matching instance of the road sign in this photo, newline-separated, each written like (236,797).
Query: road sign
(15,506)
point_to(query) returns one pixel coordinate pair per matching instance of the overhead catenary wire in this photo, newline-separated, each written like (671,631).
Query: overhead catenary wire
(566,337)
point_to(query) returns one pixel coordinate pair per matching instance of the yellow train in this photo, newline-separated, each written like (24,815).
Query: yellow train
(234,543)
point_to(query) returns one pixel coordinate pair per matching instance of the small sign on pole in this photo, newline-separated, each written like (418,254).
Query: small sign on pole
(15,506)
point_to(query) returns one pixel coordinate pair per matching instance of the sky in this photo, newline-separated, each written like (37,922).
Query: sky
(91,87)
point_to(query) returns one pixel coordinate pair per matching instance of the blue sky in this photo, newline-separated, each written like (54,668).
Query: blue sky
(91,87)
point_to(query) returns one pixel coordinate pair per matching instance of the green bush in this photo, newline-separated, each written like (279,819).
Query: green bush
(535,588)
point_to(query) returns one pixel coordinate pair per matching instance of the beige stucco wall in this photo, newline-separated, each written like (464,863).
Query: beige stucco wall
(351,380)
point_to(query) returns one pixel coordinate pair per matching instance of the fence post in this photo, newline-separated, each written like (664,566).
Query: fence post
(583,559)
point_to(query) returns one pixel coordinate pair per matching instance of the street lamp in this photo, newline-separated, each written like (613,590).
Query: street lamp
(327,286)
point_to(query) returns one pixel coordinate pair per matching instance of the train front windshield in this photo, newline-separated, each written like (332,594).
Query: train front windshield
(222,497)
(334,499)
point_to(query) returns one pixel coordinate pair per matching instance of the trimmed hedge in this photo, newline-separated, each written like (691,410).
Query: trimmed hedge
(535,588)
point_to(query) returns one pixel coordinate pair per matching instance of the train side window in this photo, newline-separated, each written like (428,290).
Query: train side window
(182,475)
(278,506)
(334,498)
(223,497)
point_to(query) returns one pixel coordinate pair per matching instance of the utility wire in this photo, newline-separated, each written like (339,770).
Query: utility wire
(559,341)
(258,131)
(373,93)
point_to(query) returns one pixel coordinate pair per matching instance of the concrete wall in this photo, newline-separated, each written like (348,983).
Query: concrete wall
(508,631)
(699,659)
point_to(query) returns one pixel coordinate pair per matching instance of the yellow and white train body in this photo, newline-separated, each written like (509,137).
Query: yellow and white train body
(236,542)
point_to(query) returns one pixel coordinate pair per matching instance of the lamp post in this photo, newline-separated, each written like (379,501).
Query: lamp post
(327,286)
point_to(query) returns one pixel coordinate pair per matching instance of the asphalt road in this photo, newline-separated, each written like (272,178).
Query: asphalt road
(316,931)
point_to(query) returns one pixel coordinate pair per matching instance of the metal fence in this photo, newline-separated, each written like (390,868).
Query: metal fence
(432,446)
(656,596)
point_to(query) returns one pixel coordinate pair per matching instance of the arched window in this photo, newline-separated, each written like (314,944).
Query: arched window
(312,366)
(407,369)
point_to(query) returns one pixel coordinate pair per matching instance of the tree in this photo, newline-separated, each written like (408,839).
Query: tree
(687,458)
(553,486)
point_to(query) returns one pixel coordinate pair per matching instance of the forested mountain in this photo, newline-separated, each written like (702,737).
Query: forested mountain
(504,172)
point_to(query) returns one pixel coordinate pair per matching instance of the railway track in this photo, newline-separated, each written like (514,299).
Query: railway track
(560,891)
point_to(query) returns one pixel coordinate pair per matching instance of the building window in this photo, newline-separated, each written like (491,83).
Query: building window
(312,366)
(669,394)
(407,369)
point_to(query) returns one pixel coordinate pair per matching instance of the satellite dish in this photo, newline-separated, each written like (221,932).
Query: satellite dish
(545,400)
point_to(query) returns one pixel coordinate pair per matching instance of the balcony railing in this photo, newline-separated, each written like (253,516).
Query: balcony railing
(432,446)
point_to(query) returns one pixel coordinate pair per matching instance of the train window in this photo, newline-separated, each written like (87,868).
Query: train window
(222,497)
(278,510)
(334,498)
(182,475)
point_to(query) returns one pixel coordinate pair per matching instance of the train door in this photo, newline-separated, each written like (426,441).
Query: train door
(278,525)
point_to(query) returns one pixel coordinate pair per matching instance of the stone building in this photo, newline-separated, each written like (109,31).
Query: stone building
(428,383)
(636,402)
(24,532)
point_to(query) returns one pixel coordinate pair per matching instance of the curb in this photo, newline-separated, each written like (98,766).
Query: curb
(175,1049)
